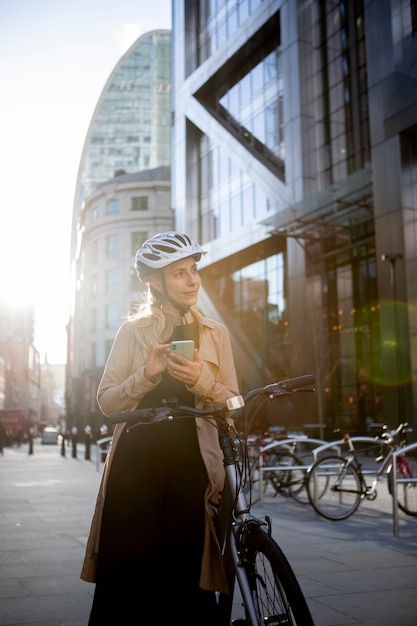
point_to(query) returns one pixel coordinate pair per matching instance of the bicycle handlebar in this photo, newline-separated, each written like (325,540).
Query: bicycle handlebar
(159,414)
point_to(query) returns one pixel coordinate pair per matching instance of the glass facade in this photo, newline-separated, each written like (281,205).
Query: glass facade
(255,297)
(299,126)
(219,20)
(130,130)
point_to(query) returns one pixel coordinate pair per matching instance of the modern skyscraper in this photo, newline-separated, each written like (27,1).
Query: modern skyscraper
(123,194)
(293,162)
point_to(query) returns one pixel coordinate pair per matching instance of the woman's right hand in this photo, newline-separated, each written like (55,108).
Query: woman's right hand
(157,360)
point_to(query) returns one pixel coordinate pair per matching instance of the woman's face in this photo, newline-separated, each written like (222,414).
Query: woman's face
(182,281)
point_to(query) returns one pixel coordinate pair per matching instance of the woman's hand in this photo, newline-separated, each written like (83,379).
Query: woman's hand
(184,370)
(156,361)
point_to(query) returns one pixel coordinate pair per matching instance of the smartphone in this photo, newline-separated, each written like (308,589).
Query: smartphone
(185,348)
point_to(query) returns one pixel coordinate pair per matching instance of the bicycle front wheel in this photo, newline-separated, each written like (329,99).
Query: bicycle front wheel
(276,594)
(334,488)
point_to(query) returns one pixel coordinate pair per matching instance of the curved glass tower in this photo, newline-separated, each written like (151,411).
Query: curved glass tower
(123,194)
(130,128)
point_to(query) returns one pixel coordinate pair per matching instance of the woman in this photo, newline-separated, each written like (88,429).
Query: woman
(152,548)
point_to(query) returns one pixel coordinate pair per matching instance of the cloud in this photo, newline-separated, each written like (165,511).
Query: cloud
(127,35)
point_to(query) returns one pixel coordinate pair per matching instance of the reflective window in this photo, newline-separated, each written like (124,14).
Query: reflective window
(112,316)
(139,203)
(255,107)
(140,138)
(112,207)
(219,20)
(232,198)
(255,296)
(112,246)
(112,281)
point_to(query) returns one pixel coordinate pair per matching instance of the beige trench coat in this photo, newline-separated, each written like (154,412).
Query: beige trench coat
(121,389)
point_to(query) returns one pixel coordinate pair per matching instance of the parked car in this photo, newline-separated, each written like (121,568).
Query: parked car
(50,435)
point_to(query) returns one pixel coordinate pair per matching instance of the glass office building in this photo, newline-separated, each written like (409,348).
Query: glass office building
(123,195)
(293,152)
(131,125)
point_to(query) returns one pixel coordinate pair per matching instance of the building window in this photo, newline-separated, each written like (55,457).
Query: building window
(139,203)
(112,316)
(93,320)
(93,354)
(136,240)
(256,298)
(94,252)
(112,281)
(94,285)
(113,247)
(112,207)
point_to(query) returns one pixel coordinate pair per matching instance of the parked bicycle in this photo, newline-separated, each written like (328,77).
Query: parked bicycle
(284,463)
(269,588)
(336,485)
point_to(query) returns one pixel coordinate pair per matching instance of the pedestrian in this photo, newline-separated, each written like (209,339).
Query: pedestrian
(88,436)
(74,437)
(31,436)
(63,436)
(152,548)
(3,437)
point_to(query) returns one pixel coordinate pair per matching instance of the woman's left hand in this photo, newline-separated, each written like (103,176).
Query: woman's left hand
(184,370)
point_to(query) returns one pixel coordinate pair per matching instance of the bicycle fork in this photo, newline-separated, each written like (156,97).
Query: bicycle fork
(244,586)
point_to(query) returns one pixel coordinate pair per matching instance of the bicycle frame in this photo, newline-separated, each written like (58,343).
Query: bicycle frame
(369,490)
(336,485)
(267,584)
(242,520)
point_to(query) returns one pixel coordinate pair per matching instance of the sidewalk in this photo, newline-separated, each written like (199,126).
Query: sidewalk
(353,572)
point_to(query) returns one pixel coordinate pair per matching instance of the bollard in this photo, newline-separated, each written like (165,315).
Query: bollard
(63,443)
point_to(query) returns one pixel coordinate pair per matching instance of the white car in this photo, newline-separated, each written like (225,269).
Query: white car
(50,435)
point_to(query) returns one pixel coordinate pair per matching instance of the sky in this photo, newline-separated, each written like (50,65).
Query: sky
(55,59)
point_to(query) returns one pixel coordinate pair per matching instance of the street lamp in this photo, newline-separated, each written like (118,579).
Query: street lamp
(392,258)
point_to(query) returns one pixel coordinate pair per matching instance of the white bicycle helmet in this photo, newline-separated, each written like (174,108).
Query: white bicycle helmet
(163,249)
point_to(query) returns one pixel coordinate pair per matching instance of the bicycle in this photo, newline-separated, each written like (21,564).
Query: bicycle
(269,588)
(283,468)
(336,485)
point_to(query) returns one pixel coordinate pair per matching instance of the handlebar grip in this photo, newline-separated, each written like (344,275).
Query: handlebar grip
(307,380)
(293,384)
(129,417)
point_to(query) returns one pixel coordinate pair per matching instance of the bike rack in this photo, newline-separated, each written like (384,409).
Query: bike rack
(395,481)
(322,446)
(277,468)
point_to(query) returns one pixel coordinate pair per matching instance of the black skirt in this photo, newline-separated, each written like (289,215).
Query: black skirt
(152,531)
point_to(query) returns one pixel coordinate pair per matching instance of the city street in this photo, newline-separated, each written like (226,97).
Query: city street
(353,572)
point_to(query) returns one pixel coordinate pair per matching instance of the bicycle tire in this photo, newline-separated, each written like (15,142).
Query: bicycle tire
(280,480)
(406,492)
(276,593)
(298,482)
(334,488)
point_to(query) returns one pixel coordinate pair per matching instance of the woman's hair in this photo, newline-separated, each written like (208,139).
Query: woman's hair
(149,314)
